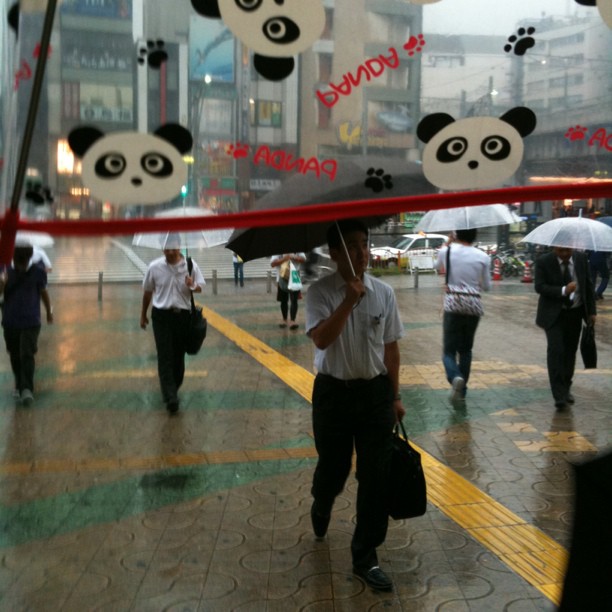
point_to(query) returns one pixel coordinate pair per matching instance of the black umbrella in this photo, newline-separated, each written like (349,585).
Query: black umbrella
(360,178)
(587,580)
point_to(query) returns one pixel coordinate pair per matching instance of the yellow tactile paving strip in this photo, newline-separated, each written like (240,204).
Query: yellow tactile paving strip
(299,379)
(525,549)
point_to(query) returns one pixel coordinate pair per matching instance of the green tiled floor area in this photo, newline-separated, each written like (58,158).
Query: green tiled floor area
(108,503)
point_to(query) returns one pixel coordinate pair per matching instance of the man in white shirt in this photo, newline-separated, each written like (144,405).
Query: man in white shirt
(354,322)
(168,285)
(469,269)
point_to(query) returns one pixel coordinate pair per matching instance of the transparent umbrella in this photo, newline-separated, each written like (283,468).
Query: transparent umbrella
(34,239)
(466,217)
(574,233)
(192,240)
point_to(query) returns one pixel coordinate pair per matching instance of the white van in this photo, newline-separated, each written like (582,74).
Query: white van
(404,246)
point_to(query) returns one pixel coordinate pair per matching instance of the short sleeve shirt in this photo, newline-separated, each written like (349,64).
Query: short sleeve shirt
(22,297)
(468,266)
(277,257)
(167,283)
(360,349)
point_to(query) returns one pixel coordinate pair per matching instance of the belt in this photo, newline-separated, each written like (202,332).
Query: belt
(351,383)
(173,310)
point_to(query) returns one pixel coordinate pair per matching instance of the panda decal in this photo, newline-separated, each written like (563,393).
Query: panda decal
(604,6)
(475,152)
(132,167)
(274,29)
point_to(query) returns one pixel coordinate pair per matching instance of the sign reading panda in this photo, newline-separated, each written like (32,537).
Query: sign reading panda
(476,152)
(131,167)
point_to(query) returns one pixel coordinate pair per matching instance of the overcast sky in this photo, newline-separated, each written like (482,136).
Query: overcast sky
(492,16)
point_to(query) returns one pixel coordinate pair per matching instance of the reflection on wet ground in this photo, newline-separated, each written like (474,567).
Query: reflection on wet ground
(109,503)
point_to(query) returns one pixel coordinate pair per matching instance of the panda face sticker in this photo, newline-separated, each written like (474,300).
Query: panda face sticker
(130,167)
(476,152)
(274,29)
(604,7)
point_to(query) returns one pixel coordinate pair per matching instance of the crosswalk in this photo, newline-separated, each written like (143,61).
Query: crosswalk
(114,259)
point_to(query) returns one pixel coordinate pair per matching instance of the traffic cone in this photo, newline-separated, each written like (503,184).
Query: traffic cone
(497,270)
(527,277)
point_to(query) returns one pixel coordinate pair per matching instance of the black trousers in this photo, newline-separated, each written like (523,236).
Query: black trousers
(283,297)
(562,339)
(170,329)
(22,345)
(361,416)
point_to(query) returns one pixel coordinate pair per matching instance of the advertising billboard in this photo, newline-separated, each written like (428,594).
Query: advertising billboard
(211,51)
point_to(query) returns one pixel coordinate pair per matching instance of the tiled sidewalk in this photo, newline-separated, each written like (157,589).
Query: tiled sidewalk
(107,503)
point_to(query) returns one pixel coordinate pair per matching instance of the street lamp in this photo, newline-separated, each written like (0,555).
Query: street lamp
(197,102)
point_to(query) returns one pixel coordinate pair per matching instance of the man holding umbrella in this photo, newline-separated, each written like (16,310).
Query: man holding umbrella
(353,320)
(566,298)
(168,284)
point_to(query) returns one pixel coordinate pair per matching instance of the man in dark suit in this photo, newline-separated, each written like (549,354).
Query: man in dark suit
(567,298)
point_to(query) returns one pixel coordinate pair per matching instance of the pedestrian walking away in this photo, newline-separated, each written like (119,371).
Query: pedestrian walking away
(468,273)
(598,265)
(24,286)
(282,263)
(564,285)
(168,286)
(238,269)
(354,322)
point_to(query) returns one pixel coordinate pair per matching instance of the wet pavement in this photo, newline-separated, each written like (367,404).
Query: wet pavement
(109,503)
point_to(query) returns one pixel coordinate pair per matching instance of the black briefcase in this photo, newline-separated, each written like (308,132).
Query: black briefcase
(408,489)
(588,348)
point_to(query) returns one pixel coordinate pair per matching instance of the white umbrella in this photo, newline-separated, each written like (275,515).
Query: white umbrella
(574,233)
(199,239)
(34,239)
(466,217)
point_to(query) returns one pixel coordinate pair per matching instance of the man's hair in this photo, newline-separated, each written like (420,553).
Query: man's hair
(345,226)
(466,235)
(22,255)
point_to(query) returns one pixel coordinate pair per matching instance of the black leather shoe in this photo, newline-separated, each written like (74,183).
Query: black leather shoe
(570,398)
(560,405)
(172,406)
(320,522)
(375,578)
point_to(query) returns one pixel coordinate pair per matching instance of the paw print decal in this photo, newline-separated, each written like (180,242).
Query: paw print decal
(238,151)
(377,180)
(415,44)
(37,194)
(520,42)
(154,54)
(578,132)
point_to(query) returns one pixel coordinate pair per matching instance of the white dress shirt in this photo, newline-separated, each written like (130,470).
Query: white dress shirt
(360,349)
(167,283)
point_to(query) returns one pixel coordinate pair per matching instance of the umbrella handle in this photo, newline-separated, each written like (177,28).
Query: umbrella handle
(346,250)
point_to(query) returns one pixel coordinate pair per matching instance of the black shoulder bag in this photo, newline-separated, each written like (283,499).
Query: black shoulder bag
(408,489)
(197,324)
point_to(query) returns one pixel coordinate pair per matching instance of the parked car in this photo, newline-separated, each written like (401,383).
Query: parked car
(403,247)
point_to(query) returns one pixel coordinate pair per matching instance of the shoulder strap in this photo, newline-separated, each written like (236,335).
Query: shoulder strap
(447,264)
(189,269)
